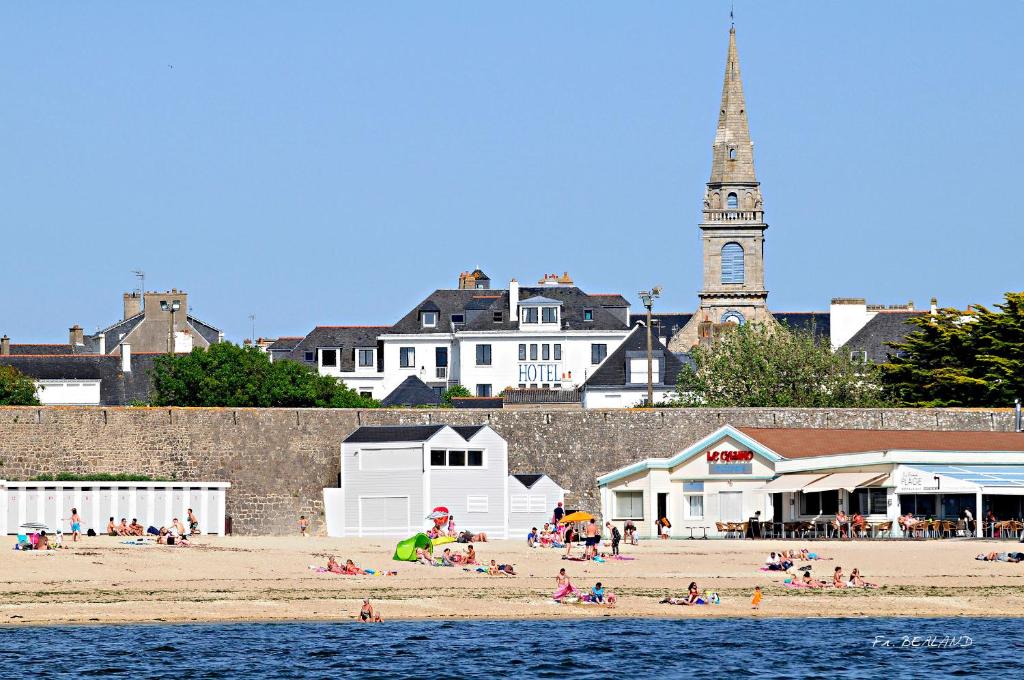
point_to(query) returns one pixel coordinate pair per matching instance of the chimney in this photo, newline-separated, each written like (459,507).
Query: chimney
(76,336)
(132,304)
(513,300)
(126,358)
(5,345)
(935,306)
(103,344)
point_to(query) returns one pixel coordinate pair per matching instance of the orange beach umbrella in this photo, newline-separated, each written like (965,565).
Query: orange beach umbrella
(577,517)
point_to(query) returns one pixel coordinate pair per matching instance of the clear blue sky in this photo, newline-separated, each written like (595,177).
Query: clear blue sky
(332,163)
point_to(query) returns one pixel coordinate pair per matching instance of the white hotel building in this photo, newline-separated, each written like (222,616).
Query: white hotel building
(549,336)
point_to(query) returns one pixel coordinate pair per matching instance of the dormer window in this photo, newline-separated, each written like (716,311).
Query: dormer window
(458,318)
(329,357)
(588,314)
(530,315)
(539,309)
(499,317)
(549,315)
(429,319)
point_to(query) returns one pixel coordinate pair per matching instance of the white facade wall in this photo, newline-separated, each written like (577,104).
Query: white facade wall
(506,369)
(363,379)
(388,489)
(725,497)
(846,317)
(372,473)
(531,507)
(151,503)
(627,397)
(477,497)
(68,392)
(425,367)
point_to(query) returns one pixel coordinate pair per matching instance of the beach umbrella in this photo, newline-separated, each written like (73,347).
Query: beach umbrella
(439,512)
(579,516)
(35,526)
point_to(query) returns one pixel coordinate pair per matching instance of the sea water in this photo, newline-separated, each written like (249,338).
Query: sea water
(569,649)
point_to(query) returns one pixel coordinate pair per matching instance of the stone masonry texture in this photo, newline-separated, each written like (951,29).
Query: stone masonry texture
(279,460)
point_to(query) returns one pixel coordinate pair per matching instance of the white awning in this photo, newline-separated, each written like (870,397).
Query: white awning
(791,482)
(845,480)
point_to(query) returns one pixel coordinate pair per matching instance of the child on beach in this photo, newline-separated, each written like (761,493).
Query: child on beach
(367,613)
(76,524)
(755,601)
(532,538)
(193,522)
(616,537)
(303,525)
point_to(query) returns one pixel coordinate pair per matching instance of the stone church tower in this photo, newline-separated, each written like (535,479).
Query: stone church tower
(732,233)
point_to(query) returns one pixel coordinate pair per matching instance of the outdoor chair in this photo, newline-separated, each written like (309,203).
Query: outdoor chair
(948,529)
(881,528)
(723,529)
(919,529)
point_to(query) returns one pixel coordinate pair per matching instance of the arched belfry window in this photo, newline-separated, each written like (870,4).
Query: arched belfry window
(732,201)
(732,154)
(732,263)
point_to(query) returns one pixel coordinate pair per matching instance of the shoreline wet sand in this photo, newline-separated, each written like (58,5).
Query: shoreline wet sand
(247,579)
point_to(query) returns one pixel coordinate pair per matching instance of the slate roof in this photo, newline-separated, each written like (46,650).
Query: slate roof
(883,328)
(665,325)
(478,402)
(612,371)
(114,334)
(284,344)
(818,323)
(347,338)
(23,349)
(116,388)
(528,480)
(209,333)
(412,392)
(478,307)
(378,434)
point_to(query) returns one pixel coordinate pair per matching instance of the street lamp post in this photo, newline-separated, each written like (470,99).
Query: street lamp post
(647,298)
(172,307)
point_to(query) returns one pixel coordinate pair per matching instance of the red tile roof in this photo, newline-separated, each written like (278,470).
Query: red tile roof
(805,443)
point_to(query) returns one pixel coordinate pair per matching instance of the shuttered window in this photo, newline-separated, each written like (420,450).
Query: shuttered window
(732,263)
(476,504)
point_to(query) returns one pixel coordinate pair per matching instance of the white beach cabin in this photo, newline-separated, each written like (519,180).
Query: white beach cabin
(392,477)
(532,501)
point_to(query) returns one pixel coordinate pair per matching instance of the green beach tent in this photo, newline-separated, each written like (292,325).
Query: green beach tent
(405,551)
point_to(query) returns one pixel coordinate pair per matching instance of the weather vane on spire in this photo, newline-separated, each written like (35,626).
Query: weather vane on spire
(732,18)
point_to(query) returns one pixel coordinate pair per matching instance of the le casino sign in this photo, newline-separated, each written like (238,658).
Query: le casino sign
(730,456)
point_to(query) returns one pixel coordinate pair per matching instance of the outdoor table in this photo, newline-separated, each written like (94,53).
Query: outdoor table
(704,531)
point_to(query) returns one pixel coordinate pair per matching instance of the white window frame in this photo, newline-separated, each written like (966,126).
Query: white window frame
(337,357)
(428,314)
(359,357)
(478,504)
(553,311)
(411,353)
(447,458)
(615,504)
(686,505)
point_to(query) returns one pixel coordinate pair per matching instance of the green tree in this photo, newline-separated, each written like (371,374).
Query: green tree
(16,388)
(761,365)
(229,375)
(958,359)
(452,392)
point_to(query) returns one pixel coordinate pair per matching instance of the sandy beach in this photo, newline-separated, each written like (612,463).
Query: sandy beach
(99,580)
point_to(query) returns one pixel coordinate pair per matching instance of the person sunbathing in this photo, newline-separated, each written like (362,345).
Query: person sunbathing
(492,568)
(1000,557)
(44,541)
(479,538)
(470,555)
(179,528)
(446,558)
(857,581)
(122,528)
(507,569)
(692,596)
(111,528)
(351,569)
(564,586)
(135,529)
(333,566)
(838,580)
(424,555)
(809,582)
(161,537)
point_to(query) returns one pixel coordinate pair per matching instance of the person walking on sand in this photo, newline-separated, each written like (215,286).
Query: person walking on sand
(616,537)
(76,525)
(303,525)
(593,538)
(755,601)
(559,512)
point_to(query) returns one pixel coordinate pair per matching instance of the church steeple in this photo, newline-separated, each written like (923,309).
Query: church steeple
(733,155)
(732,231)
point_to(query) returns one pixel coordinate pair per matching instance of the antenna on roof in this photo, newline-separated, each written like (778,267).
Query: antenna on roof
(252,320)
(732,18)
(141,276)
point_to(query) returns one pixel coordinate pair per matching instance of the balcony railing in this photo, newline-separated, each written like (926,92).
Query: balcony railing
(441,372)
(541,396)
(733,215)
